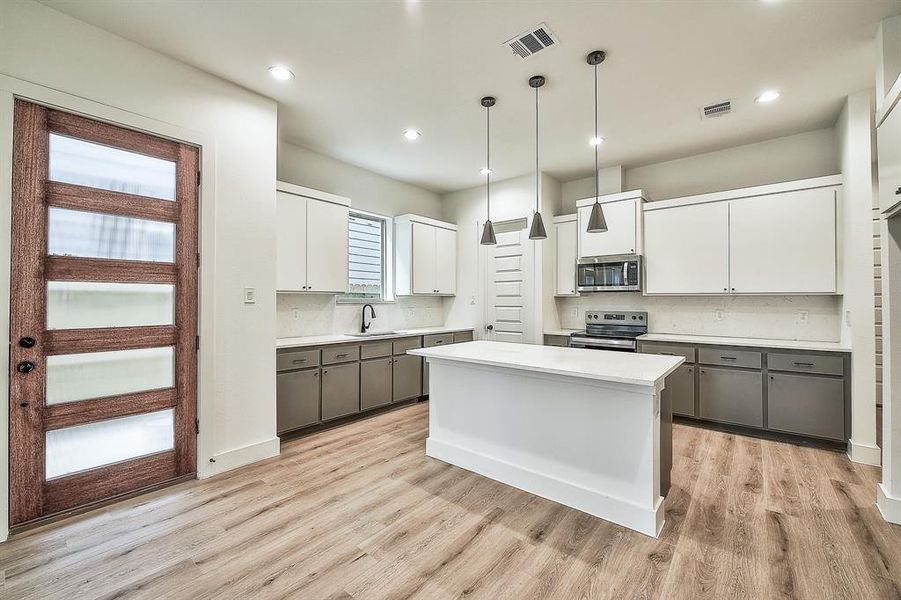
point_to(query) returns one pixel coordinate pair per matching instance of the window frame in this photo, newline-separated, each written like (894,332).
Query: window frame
(387,295)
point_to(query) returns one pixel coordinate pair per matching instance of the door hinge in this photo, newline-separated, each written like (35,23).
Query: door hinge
(198,178)
(197,342)
(197,425)
(198,260)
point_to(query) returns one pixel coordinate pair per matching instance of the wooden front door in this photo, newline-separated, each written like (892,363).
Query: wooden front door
(103,312)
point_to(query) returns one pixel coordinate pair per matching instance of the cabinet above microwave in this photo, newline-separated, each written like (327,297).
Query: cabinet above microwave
(623,213)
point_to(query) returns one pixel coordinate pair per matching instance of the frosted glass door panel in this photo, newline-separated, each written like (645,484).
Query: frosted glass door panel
(96,235)
(73,377)
(79,304)
(93,165)
(82,447)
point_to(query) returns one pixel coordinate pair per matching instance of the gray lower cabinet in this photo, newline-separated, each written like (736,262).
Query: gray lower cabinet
(297,394)
(340,390)
(681,384)
(731,396)
(407,380)
(807,404)
(375,383)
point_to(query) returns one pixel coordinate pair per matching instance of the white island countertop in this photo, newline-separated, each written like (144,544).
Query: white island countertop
(601,365)
(682,338)
(343,338)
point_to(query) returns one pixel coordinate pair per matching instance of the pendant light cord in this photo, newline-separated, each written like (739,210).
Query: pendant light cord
(596,138)
(537,146)
(488,156)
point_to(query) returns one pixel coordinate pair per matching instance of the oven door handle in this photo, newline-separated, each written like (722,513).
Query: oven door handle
(593,342)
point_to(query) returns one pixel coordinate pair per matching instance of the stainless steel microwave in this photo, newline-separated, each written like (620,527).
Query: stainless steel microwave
(621,273)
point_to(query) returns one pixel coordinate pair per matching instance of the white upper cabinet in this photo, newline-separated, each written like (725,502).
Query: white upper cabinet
(311,240)
(623,235)
(888,139)
(772,239)
(425,256)
(783,243)
(566,241)
(687,249)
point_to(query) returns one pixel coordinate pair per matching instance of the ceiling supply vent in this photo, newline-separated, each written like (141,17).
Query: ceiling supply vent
(717,109)
(532,41)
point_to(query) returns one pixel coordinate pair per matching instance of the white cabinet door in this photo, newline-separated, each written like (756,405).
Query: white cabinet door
(783,243)
(566,258)
(686,249)
(620,235)
(888,138)
(327,226)
(290,243)
(424,259)
(446,261)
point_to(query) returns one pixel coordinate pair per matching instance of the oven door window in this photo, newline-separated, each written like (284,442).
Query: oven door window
(602,275)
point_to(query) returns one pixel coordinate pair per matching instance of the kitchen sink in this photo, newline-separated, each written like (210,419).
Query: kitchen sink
(372,334)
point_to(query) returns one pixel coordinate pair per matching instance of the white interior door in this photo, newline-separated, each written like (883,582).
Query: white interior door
(509,287)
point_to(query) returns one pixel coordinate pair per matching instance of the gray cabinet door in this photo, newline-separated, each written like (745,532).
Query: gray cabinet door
(462,336)
(807,405)
(425,377)
(682,390)
(297,399)
(731,396)
(407,377)
(375,383)
(340,390)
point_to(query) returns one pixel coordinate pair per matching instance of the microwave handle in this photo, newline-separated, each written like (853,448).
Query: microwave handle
(625,273)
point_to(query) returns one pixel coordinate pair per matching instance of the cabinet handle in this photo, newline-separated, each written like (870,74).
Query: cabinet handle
(325,372)
(803,364)
(316,374)
(733,289)
(725,289)
(297,361)
(729,357)
(898,192)
(439,341)
(690,370)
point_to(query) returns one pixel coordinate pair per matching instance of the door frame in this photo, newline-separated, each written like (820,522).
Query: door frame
(12,88)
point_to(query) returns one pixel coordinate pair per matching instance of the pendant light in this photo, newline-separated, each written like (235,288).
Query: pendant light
(596,222)
(488,237)
(537,231)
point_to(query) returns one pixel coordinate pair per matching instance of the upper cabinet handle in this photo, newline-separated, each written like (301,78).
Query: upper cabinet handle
(898,192)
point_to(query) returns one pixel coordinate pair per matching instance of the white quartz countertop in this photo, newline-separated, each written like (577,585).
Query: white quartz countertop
(740,341)
(340,338)
(617,367)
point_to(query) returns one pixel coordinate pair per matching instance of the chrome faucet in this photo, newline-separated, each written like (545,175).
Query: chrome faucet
(364,326)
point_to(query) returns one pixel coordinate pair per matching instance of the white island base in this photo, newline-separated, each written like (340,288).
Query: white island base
(580,427)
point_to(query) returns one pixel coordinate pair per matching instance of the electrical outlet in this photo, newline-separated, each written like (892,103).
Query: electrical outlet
(250,295)
(803,316)
(295,314)
(719,314)
(411,313)
(472,300)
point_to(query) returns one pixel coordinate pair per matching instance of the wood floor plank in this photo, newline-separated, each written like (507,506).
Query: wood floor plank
(359,512)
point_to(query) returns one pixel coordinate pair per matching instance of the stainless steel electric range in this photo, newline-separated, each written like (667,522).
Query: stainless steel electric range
(609,330)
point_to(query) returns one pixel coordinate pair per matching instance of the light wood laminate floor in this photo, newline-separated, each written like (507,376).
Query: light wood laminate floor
(360,512)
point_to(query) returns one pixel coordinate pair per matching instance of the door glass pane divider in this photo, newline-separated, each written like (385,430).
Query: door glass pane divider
(70,268)
(111,135)
(78,197)
(80,412)
(106,339)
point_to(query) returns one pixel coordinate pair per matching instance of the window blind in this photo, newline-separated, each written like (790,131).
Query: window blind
(365,261)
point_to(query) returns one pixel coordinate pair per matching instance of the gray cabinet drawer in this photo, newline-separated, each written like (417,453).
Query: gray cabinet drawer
(407,377)
(296,359)
(806,363)
(375,349)
(462,336)
(681,383)
(441,339)
(340,390)
(729,358)
(731,396)
(375,383)
(297,399)
(340,354)
(670,350)
(402,345)
(807,405)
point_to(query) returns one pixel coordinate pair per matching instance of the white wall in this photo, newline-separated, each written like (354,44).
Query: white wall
(78,66)
(888,56)
(305,314)
(610,181)
(854,133)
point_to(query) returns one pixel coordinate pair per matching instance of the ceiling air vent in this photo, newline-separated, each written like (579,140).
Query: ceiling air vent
(532,41)
(717,109)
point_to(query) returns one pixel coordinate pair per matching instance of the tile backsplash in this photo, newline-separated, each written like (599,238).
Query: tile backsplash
(302,314)
(813,318)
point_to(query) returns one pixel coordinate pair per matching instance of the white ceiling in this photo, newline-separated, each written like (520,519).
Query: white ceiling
(366,70)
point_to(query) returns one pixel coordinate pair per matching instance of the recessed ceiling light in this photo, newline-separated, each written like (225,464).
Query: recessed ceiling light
(767,96)
(485,171)
(281,72)
(412,134)
(596,141)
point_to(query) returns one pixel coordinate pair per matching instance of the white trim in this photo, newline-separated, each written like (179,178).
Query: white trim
(566,218)
(239,457)
(891,100)
(865,454)
(425,221)
(759,190)
(889,506)
(607,507)
(299,190)
(618,197)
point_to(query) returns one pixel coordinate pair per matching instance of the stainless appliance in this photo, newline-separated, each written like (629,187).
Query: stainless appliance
(618,273)
(609,330)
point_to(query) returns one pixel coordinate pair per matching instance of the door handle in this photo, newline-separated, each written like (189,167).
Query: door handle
(25,367)
(490,328)
(898,192)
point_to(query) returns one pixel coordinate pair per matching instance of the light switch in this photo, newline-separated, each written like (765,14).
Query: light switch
(719,314)
(250,295)
(803,316)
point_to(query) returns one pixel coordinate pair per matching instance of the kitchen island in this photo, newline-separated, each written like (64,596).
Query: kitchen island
(585,428)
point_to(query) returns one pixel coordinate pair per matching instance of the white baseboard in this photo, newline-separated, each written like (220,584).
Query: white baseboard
(232,459)
(646,520)
(865,454)
(889,506)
